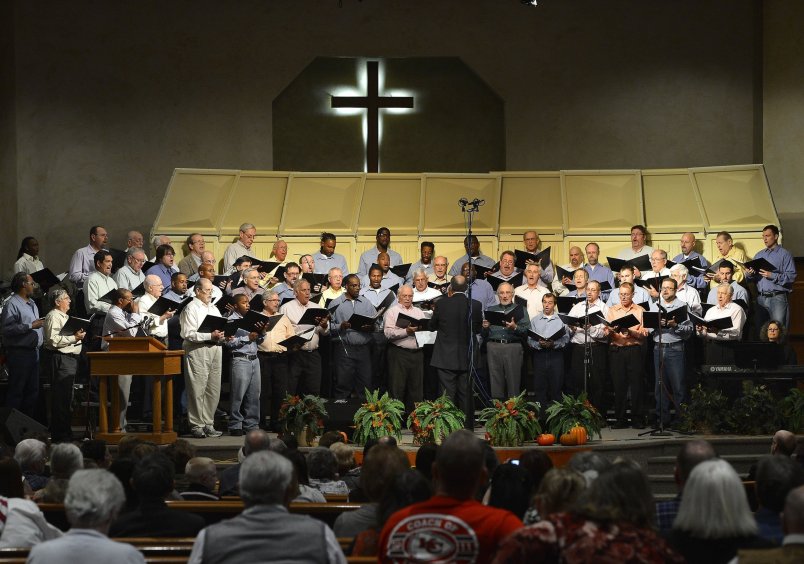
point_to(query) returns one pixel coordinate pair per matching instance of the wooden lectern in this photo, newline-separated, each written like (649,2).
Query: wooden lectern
(139,356)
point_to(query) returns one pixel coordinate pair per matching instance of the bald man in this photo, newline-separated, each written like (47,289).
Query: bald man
(694,279)
(575,262)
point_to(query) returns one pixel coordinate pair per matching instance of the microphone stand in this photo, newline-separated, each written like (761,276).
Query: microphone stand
(587,349)
(660,432)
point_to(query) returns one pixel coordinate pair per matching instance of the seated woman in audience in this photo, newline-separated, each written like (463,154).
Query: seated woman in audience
(22,524)
(96,451)
(307,493)
(714,519)
(65,460)
(510,488)
(610,522)
(382,466)
(409,487)
(323,470)
(774,332)
(348,470)
(557,492)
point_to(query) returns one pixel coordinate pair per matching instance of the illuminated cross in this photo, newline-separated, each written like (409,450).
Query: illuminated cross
(372,102)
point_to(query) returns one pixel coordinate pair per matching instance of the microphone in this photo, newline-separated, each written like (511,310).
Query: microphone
(477,202)
(463,202)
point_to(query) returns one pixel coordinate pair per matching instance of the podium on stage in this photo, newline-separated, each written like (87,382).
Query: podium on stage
(139,356)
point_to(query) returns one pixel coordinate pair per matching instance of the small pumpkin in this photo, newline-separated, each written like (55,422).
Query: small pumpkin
(546,439)
(568,440)
(579,434)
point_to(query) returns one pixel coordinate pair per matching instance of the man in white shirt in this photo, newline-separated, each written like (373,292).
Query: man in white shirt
(422,292)
(28,257)
(131,275)
(240,247)
(531,290)
(122,320)
(684,292)
(305,363)
(134,240)
(335,288)
(597,341)
(157,324)
(718,350)
(83,262)
(202,364)
(639,247)
(658,265)
(439,277)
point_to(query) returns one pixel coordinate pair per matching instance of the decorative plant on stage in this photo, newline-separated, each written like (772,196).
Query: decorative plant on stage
(791,411)
(512,422)
(753,413)
(707,412)
(432,421)
(378,417)
(297,412)
(573,412)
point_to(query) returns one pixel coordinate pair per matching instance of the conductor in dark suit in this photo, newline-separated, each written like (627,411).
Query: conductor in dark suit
(452,346)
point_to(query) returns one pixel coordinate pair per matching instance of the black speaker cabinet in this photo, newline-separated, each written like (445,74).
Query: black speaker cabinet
(15,425)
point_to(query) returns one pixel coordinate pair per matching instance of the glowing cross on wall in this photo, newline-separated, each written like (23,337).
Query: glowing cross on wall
(371,103)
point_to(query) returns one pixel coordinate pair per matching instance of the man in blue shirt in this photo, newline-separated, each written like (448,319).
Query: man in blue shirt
(351,346)
(774,287)
(376,294)
(688,252)
(245,372)
(21,329)
(597,271)
(726,274)
(164,266)
(327,258)
(472,249)
(480,290)
(369,257)
(548,354)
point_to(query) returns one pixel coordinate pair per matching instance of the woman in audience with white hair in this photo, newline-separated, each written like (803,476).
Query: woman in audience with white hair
(22,524)
(65,460)
(31,455)
(714,519)
(93,500)
(612,521)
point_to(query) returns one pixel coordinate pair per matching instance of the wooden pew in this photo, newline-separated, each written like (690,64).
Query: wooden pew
(215,511)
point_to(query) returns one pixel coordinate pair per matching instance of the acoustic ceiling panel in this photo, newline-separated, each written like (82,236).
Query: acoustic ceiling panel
(603,202)
(322,202)
(442,213)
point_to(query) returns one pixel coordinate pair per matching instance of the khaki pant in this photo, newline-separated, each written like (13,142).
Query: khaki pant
(202,376)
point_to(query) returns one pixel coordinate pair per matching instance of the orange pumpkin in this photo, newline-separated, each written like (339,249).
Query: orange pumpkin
(568,440)
(579,434)
(546,439)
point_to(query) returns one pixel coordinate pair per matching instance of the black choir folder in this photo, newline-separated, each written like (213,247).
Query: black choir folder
(523,257)
(403,321)
(212,323)
(45,278)
(641,262)
(313,316)
(298,340)
(555,336)
(717,324)
(620,324)
(75,324)
(500,318)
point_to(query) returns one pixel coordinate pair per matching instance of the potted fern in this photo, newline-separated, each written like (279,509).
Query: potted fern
(303,416)
(706,413)
(791,411)
(572,413)
(432,421)
(379,416)
(512,422)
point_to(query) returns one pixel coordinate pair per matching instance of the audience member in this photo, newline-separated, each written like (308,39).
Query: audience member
(94,498)
(31,455)
(612,521)
(380,470)
(714,519)
(202,480)
(65,460)
(557,492)
(254,441)
(348,470)
(323,472)
(22,523)
(689,456)
(776,477)
(425,457)
(792,549)
(305,493)
(153,480)
(510,488)
(470,530)
(97,451)
(265,527)
(590,465)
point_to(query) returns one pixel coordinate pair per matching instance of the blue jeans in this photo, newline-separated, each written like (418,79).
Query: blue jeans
(776,307)
(673,376)
(23,379)
(245,392)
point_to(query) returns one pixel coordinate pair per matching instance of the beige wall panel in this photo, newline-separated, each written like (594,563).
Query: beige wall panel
(668,242)
(442,214)
(602,201)
(257,198)
(531,201)
(322,202)
(671,204)
(393,201)
(195,201)
(735,198)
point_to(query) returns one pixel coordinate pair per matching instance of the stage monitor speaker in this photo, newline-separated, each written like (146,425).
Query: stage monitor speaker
(342,415)
(15,425)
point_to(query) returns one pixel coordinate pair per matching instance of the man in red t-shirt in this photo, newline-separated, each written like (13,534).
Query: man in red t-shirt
(451,526)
